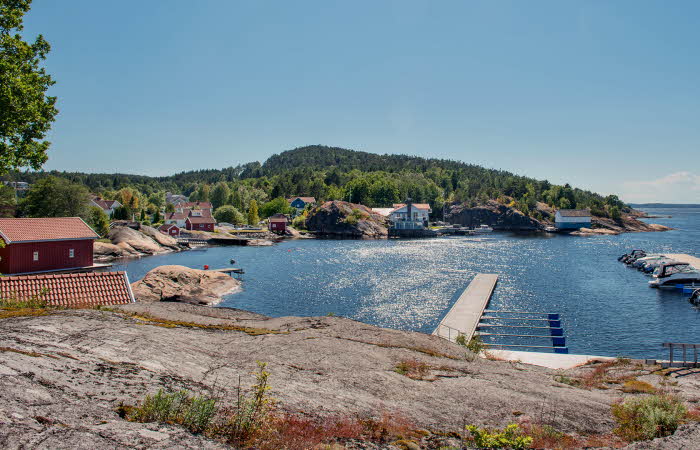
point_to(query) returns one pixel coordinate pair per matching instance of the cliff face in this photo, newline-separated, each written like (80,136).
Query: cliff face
(494,214)
(343,219)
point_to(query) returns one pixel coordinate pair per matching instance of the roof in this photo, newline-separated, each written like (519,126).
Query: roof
(303,199)
(176,216)
(278,218)
(195,205)
(201,220)
(423,206)
(106,204)
(70,289)
(383,211)
(45,229)
(167,226)
(574,213)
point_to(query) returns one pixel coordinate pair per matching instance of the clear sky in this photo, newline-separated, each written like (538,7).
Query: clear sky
(604,95)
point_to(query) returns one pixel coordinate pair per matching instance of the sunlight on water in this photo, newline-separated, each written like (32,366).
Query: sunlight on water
(606,307)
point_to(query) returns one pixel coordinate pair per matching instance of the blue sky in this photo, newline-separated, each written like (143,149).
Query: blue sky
(603,95)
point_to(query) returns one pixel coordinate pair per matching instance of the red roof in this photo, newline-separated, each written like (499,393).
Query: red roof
(45,229)
(70,289)
(167,226)
(201,220)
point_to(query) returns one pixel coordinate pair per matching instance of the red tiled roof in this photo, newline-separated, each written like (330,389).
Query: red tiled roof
(70,289)
(175,216)
(45,229)
(201,220)
(167,226)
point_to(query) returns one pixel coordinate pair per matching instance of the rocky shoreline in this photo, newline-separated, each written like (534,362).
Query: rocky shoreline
(64,375)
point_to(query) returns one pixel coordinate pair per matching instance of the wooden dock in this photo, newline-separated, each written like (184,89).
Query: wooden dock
(465,314)
(229,270)
(682,257)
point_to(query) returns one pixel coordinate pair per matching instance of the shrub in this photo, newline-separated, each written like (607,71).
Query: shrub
(195,413)
(649,417)
(476,345)
(509,437)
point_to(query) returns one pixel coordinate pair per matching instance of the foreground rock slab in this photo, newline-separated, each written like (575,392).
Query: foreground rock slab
(62,375)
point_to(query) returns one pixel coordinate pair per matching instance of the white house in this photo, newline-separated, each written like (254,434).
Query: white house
(108,206)
(410,216)
(572,219)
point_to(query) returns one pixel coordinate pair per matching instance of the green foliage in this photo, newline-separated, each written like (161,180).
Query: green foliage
(615,213)
(56,197)
(121,213)
(99,221)
(648,417)
(7,201)
(34,302)
(509,437)
(475,345)
(220,194)
(169,208)
(229,214)
(26,112)
(156,217)
(276,206)
(195,413)
(253,218)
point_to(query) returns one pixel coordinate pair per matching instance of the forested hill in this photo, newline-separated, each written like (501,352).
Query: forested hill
(360,177)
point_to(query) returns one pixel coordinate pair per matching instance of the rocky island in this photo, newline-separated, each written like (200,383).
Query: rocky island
(343,219)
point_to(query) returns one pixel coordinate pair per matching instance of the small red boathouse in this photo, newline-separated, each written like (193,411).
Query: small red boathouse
(45,244)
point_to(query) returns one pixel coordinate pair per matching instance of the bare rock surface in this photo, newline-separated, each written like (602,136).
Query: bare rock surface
(182,284)
(104,251)
(62,375)
(494,214)
(344,219)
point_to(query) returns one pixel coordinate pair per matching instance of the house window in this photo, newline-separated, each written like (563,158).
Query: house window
(71,253)
(36,256)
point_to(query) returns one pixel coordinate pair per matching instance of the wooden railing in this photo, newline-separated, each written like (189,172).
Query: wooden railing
(673,346)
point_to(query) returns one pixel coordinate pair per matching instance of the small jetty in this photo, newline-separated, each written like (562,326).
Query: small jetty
(229,270)
(465,314)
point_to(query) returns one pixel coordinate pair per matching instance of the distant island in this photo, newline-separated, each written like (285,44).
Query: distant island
(665,205)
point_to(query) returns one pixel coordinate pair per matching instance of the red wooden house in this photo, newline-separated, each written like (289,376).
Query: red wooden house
(200,223)
(278,223)
(170,229)
(45,244)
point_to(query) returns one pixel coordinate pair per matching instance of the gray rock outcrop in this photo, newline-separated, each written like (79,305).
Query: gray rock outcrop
(182,284)
(494,214)
(344,219)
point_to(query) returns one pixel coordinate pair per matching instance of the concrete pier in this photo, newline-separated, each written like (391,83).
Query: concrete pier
(465,314)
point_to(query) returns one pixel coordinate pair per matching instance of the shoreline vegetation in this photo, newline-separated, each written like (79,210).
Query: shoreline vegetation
(250,192)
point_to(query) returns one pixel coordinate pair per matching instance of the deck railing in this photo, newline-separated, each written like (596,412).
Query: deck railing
(673,346)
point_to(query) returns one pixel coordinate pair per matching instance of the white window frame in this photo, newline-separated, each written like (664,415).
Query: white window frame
(71,253)
(35,256)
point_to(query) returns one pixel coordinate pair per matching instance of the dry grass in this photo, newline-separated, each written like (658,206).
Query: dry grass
(21,352)
(638,387)
(546,436)
(23,312)
(423,350)
(164,323)
(412,368)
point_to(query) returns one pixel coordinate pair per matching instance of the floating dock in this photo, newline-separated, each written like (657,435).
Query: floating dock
(682,257)
(465,314)
(229,270)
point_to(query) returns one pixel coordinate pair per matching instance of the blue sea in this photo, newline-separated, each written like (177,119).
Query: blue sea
(606,307)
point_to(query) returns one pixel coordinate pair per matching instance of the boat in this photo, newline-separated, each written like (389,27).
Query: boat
(669,275)
(482,229)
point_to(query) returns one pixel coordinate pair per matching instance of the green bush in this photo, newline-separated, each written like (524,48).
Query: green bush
(195,413)
(649,417)
(509,437)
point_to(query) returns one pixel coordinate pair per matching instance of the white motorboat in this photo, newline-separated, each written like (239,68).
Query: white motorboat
(482,229)
(671,274)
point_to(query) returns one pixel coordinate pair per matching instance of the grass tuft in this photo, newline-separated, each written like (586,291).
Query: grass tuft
(638,387)
(648,417)
(412,368)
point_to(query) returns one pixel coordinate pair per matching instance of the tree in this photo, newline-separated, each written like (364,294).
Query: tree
(8,202)
(99,221)
(220,194)
(169,208)
(276,206)
(56,197)
(121,213)
(253,218)
(156,217)
(615,213)
(229,214)
(26,112)
(142,218)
